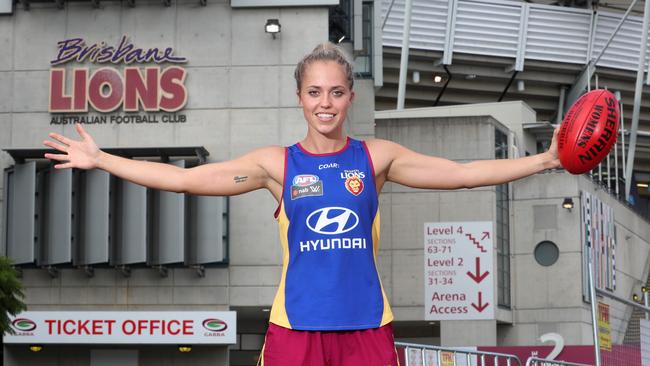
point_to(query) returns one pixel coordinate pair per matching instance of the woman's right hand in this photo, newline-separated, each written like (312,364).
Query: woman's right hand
(83,154)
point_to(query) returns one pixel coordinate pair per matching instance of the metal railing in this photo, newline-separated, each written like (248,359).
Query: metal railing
(536,361)
(478,358)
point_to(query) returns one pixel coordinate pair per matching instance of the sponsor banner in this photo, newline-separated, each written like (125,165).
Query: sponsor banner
(583,354)
(576,354)
(124,327)
(604,328)
(644,326)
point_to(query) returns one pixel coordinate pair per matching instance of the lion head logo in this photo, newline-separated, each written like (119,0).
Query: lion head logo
(354,185)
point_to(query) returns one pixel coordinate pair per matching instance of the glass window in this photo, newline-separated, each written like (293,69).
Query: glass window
(502,226)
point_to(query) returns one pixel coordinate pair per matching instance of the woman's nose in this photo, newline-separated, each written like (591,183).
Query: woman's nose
(325,101)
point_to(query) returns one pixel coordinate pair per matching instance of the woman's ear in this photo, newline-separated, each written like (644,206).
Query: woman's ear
(298,95)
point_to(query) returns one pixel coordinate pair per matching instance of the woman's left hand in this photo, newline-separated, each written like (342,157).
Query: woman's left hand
(553,151)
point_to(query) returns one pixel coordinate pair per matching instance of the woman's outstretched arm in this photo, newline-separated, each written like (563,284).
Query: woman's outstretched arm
(396,163)
(260,168)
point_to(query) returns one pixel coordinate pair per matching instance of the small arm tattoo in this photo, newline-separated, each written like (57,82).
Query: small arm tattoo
(240,179)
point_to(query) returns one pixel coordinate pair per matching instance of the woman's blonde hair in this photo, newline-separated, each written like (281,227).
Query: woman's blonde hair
(327,51)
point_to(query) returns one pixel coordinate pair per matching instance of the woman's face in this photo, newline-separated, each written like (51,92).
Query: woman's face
(325,96)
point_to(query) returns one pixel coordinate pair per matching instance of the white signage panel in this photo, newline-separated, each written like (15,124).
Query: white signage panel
(266,3)
(6,7)
(458,271)
(124,327)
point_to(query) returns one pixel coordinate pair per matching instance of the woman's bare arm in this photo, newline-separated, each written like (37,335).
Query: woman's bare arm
(396,163)
(260,168)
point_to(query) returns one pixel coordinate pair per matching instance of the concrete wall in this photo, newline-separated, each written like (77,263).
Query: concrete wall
(549,299)
(544,299)
(241,95)
(146,356)
(405,210)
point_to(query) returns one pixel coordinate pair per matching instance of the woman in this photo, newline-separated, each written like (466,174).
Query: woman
(330,308)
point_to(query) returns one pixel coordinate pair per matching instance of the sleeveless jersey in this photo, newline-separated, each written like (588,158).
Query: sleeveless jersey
(329,232)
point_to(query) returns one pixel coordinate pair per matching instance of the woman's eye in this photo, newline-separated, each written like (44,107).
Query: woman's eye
(337,93)
(313,93)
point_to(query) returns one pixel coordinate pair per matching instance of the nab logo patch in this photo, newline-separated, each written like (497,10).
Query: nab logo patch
(306,185)
(332,220)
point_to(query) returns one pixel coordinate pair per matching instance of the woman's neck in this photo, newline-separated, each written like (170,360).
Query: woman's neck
(323,144)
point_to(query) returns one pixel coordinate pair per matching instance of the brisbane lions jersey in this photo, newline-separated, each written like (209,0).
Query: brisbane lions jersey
(329,232)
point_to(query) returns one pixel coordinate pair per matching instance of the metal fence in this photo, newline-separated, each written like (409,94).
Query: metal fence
(425,355)
(536,361)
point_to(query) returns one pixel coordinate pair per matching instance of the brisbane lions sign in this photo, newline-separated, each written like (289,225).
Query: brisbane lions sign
(152,88)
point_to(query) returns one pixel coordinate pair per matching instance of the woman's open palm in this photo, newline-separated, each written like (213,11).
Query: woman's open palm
(81,154)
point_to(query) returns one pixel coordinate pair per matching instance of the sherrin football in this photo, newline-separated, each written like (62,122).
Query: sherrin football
(588,131)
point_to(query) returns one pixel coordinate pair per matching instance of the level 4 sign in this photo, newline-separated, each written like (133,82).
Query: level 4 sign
(458,271)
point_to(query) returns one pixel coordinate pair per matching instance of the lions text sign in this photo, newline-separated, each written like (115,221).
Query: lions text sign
(105,89)
(128,327)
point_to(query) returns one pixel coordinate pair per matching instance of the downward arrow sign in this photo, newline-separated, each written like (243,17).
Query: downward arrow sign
(477,276)
(481,306)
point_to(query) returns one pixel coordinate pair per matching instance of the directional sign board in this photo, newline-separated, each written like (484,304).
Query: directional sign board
(458,271)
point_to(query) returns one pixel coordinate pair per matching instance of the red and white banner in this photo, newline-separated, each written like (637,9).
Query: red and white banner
(124,327)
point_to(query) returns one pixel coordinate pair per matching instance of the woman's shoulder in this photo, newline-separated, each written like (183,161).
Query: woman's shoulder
(375,144)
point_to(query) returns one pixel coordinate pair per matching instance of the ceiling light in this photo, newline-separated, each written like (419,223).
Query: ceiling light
(642,185)
(185,348)
(272,26)
(568,203)
(470,76)
(35,348)
(416,77)
(437,79)
(520,86)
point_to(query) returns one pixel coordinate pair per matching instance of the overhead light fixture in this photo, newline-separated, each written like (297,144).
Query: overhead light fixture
(568,203)
(341,39)
(272,26)
(470,76)
(642,185)
(266,310)
(437,79)
(521,86)
(185,348)
(416,77)
(35,348)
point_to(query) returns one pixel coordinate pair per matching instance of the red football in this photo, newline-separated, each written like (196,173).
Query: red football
(588,131)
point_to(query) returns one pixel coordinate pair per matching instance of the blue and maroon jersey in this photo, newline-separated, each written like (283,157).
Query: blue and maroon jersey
(329,232)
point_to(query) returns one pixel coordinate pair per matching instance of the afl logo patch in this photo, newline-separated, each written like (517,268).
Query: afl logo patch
(304,180)
(306,185)
(354,185)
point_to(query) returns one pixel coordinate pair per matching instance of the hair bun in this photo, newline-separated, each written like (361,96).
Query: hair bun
(326,51)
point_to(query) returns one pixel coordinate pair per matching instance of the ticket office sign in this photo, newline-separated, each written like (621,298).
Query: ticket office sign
(458,271)
(124,327)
